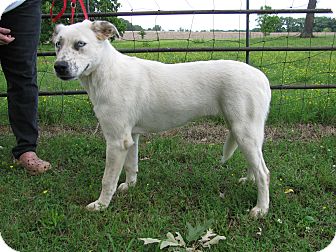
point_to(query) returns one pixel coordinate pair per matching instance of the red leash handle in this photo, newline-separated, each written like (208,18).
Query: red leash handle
(84,9)
(60,14)
(73,9)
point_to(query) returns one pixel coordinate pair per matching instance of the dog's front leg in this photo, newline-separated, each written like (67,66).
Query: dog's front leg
(115,158)
(131,165)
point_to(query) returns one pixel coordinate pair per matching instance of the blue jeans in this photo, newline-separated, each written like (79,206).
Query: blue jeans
(18,61)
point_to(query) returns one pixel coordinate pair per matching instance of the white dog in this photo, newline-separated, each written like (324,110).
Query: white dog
(133,96)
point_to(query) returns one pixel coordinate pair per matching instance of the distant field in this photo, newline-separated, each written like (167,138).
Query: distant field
(171,35)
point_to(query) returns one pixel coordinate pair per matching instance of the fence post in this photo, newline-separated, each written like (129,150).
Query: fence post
(247,31)
(88,6)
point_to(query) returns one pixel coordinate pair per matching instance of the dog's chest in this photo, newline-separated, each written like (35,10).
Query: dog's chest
(101,100)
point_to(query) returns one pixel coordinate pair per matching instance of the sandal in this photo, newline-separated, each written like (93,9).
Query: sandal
(33,165)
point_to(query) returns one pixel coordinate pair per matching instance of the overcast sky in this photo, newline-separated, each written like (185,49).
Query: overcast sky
(207,22)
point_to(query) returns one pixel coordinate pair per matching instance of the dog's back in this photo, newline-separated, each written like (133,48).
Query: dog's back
(176,93)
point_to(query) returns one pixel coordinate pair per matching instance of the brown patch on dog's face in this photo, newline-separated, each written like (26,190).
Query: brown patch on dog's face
(104,30)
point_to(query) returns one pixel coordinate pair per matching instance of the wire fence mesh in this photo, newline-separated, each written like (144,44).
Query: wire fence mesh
(301,71)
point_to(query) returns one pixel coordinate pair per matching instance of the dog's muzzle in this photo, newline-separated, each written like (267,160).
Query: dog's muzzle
(62,70)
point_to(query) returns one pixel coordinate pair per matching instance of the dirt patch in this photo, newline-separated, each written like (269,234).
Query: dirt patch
(210,132)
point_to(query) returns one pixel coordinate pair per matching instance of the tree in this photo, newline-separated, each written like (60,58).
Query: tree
(142,33)
(268,23)
(157,28)
(309,22)
(95,6)
(290,24)
(324,24)
(130,26)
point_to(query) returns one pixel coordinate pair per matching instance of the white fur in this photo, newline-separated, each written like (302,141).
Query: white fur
(133,96)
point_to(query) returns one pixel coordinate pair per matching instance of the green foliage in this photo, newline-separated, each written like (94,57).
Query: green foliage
(199,237)
(53,219)
(96,6)
(290,24)
(47,26)
(322,23)
(268,23)
(142,33)
(155,28)
(130,26)
(272,23)
(194,233)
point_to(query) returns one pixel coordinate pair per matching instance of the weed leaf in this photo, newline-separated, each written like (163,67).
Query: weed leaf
(168,244)
(149,240)
(171,237)
(195,232)
(207,237)
(180,240)
(214,241)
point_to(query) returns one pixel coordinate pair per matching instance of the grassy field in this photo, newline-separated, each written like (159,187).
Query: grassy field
(179,183)
(180,180)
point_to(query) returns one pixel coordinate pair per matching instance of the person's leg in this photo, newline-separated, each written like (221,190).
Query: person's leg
(18,60)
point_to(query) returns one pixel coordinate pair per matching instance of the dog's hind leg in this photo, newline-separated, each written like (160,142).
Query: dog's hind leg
(229,147)
(131,165)
(115,157)
(250,139)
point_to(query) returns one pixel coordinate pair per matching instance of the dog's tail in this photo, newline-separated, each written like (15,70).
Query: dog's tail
(229,148)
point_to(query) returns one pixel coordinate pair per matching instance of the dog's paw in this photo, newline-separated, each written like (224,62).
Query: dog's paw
(258,212)
(123,187)
(223,160)
(96,206)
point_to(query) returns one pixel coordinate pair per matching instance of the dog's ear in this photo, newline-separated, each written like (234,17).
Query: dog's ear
(57,30)
(104,30)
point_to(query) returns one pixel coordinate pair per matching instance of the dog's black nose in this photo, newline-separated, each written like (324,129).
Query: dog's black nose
(61,67)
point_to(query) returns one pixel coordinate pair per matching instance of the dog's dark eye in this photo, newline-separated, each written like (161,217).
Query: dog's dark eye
(58,44)
(80,44)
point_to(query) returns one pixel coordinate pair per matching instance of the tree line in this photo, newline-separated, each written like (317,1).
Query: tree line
(267,23)
(289,24)
(306,26)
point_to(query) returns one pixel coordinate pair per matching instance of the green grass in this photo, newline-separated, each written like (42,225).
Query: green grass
(179,182)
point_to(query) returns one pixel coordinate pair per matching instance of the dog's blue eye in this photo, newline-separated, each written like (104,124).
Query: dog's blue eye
(58,44)
(81,44)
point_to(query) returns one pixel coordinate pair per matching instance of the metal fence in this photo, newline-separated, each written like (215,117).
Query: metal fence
(247,48)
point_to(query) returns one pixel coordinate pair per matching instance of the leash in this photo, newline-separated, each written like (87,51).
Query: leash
(73,9)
